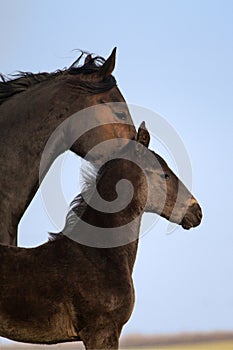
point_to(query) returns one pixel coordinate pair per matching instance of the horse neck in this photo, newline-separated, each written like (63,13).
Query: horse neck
(122,256)
(122,225)
(27,122)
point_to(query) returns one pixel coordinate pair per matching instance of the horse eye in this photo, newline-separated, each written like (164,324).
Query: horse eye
(121,115)
(164,176)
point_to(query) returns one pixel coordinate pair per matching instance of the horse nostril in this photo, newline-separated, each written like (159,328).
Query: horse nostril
(196,209)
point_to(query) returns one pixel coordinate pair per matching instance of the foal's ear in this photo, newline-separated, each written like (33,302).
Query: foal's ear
(108,66)
(87,59)
(143,135)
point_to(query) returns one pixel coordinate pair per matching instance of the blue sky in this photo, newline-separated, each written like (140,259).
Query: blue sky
(175,58)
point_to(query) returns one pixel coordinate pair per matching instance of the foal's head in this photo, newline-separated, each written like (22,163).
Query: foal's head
(156,187)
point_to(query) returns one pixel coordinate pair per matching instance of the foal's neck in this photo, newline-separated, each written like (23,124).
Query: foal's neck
(120,212)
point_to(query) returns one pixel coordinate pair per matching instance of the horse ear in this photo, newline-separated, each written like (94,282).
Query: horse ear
(108,66)
(87,59)
(143,135)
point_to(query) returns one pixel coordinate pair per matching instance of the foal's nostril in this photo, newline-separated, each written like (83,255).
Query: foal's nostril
(199,215)
(196,210)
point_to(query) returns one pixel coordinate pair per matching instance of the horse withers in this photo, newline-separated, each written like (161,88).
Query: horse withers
(65,290)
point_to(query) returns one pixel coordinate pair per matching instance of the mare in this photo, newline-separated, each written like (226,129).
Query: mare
(64,290)
(32,106)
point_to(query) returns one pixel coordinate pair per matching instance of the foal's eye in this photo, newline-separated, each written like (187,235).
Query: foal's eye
(164,176)
(121,115)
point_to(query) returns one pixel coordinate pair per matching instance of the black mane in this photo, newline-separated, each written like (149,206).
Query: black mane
(90,176)
(22,81)
(77,207)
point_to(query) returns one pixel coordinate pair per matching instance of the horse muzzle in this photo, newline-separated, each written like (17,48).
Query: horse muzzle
(193,217)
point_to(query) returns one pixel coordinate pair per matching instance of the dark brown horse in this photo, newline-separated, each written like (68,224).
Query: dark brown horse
(32,106)
(66,291)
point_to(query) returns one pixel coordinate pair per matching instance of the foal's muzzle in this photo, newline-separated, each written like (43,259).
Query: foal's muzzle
(192,217)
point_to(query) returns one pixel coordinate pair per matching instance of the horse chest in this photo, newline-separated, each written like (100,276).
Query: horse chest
(104,295)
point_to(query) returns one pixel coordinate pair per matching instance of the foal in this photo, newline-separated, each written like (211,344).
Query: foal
(81,288)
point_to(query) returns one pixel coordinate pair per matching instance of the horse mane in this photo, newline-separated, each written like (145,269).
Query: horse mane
(22,81)
(78,205)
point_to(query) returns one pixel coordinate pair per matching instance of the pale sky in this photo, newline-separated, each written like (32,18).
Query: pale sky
(175,58)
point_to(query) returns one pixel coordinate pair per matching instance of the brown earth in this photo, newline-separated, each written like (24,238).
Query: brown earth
(136,341)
